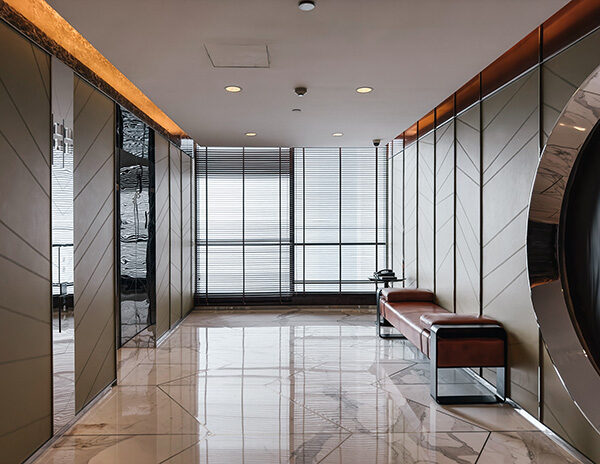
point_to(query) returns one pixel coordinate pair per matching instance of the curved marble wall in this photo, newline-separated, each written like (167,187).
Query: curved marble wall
(548,212)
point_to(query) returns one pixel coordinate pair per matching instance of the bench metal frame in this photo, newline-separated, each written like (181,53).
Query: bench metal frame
(382,322)
(466,331)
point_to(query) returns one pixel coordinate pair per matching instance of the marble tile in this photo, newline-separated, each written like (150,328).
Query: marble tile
(523,448)
(261,449)
(409,448)
(292,386)
(125,449)
(137,410)
(485,416)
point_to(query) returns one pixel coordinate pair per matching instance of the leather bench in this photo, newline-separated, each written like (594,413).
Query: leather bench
(449,340)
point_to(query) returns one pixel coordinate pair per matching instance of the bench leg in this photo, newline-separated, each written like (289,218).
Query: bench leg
(381,322)
(499,396)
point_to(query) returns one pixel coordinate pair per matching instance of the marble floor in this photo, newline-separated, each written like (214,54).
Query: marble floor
(290,386)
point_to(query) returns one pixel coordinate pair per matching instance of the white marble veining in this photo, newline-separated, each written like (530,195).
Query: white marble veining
(290,387)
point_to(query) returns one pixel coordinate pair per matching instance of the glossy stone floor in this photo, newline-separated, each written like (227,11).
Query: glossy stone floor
(290,386)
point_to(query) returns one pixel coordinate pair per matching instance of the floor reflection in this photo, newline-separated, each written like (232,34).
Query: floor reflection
(290,386)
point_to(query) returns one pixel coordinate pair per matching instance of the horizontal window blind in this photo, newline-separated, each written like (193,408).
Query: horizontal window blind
(275,222)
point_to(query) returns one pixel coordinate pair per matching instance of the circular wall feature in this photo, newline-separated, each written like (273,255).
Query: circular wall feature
(564,216)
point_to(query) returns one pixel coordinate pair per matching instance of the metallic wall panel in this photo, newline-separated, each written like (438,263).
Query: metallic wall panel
(444,215)
(410,216)
(175,241)
(94,229)
(510,156)
(163,231)
(25,242)
(468,214)
(187,297)
(426,211)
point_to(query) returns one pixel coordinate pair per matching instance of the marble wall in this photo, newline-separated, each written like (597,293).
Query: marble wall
(496,144)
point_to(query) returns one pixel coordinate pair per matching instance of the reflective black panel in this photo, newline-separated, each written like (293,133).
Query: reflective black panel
(136,225)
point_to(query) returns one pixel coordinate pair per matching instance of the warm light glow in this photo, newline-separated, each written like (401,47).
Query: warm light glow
(58,29)
(364,89)
(233,88)
(250,134)
(578,128)
(337,134)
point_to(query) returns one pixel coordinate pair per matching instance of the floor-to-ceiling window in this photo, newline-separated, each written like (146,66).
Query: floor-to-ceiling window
(274,223)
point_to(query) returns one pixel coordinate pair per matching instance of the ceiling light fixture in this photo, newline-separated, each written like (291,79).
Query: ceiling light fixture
(306,5)
(233,88)
(364,89)
(337,134)
(250,134)
(296,110)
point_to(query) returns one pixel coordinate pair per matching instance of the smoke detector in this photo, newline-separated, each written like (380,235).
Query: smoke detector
(306,5)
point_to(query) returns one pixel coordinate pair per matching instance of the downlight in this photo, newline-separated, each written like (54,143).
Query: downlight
(250,134)
(306,5)
(364,89)
(233,88)
(337,134)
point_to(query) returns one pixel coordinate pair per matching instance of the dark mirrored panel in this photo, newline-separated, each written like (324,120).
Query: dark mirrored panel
(135,146)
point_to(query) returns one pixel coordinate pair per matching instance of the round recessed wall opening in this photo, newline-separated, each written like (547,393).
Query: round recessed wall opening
(580,244)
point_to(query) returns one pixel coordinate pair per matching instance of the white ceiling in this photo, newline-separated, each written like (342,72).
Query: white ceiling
(414,53)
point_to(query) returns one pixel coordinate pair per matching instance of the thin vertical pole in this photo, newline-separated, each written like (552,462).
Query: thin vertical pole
(303,220)
(206,217)
(376,209)
(340,220)
(243,224)
(279,225)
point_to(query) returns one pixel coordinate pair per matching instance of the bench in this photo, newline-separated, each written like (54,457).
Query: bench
(448,339)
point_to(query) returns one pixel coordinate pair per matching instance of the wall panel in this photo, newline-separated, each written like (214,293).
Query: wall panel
(468,214)
(410,216)
(397,213)
(94,228)
(426,211)
(25,243)
(444,215)
(175,240)
(163,231)
(510,157)
(187,298)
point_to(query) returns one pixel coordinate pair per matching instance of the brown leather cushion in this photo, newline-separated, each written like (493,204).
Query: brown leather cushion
(406,317)
(429,319)
(407,294)
(470,352)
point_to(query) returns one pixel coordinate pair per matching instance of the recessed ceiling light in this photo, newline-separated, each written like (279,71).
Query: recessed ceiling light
(306,5)
(250,134)
(233,88)
(364,89)
(337,134)
(296,110)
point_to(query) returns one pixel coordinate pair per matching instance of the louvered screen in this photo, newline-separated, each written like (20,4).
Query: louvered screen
(276,222)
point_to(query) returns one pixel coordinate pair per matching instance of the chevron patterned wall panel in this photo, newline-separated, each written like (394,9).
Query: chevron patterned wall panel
(94,229)
(510,156)
(426,211)
(397,213)
(163,231)
(410,216)
(175,241)
(444,215)
(25,243)
(187,295)
(563,74)
(468,215)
